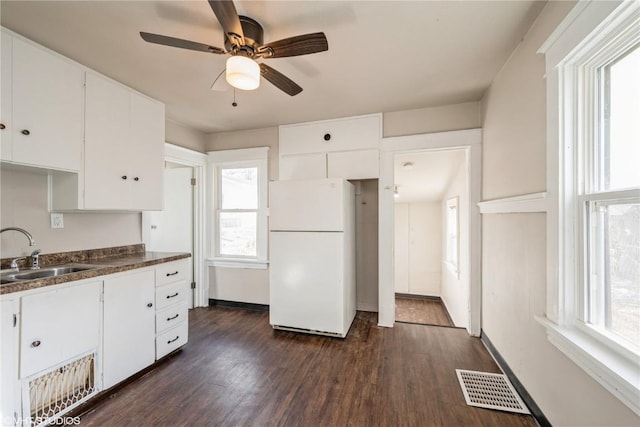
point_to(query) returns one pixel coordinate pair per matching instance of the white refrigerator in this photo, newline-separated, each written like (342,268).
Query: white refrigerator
(312,256)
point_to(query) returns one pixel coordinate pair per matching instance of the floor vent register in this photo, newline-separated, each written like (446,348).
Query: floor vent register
(491,391)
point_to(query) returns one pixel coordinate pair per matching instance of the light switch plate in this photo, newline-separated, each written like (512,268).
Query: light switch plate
(57,220)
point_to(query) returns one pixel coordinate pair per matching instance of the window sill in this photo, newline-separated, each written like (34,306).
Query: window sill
(614,372)
(238,263)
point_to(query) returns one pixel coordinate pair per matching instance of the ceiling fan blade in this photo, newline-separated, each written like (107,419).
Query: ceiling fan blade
(183,44)
(227,15)
(294,46)
(279,80)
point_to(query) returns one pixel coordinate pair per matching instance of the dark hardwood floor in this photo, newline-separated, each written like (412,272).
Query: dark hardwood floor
(423,311)
(237,371)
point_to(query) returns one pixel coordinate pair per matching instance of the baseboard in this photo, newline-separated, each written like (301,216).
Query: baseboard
(236,304)
(536,412)
(414,296)
(365,306)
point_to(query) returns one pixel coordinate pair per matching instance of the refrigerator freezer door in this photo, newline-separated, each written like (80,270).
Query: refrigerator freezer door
(306,290)
(311,205)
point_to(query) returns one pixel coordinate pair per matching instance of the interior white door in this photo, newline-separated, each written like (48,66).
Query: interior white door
(171,230)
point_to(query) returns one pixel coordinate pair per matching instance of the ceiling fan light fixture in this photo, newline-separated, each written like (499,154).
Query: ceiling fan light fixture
(243,73)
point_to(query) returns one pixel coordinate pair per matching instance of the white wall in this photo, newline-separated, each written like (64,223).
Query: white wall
(454,289)
(178,134)
(432,119)
(23,197)
(418,248)
(514,270)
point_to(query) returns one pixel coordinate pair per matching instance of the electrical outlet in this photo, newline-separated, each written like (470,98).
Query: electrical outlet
(57,220)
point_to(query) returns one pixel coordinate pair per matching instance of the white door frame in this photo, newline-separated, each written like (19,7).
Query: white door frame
(198,161)
(471,140)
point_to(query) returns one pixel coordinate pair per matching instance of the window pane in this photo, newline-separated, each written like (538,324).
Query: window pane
(238,233)
(621,151)
(239,188)
(619,268)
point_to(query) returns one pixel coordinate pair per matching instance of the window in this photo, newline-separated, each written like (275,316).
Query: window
(239,208)
(452,243)
(593,116)
(609,202)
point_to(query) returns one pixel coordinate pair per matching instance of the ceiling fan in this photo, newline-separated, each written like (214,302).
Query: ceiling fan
(244,42)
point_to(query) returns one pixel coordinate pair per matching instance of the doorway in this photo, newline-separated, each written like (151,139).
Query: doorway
(430,280)
(180,226)
(470,142)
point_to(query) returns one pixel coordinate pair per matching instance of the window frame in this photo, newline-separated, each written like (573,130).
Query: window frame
(590,34)
(230,159)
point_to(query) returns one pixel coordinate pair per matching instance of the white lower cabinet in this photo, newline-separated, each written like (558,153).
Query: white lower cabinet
(60,339)
(58,325)
(9,341)
(129,325)
(172,305)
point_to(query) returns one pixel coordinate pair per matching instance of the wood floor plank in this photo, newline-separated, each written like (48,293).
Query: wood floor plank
(237,371)
(423,311)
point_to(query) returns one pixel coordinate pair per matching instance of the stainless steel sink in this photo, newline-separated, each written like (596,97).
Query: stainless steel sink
(44,272)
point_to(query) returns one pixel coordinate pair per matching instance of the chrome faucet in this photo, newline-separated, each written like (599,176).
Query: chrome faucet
(23,231)
(35,264)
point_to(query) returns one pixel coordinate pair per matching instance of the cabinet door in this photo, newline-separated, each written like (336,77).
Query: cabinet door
(47,108)
(129,326)
(6,43)
(358,164)
(146,153)
(9,385)
(58,325)
(106,177)
(306,166)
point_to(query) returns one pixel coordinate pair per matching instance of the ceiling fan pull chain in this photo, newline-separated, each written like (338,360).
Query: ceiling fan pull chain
(234,103)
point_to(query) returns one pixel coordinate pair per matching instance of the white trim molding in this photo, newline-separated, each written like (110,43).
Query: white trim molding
(236,263)
(527,203)
(198,161)
(469,140)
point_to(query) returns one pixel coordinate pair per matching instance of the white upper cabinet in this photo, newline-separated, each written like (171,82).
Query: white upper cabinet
(342,148)
(41,107)
(124,152)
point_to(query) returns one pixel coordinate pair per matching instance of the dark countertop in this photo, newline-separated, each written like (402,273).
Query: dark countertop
(107,260)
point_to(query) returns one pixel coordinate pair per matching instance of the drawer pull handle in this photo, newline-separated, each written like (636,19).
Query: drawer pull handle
(172,274)
(150,304)
(36,343)
(171,318)
(175,339)
(174,295)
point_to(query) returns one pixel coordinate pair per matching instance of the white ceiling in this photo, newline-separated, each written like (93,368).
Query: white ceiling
(429,177)
(383,55)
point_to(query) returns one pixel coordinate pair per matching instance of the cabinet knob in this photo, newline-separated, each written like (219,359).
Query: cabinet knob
(327,136)
(124,177)
(2,126)
(25,132)
(136,179)
(36,343)
(150,305)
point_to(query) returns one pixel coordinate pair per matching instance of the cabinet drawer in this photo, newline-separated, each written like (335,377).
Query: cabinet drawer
(171,272)
(358,164)
(353,133)
(171,294)
(171,316)
(172,339)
